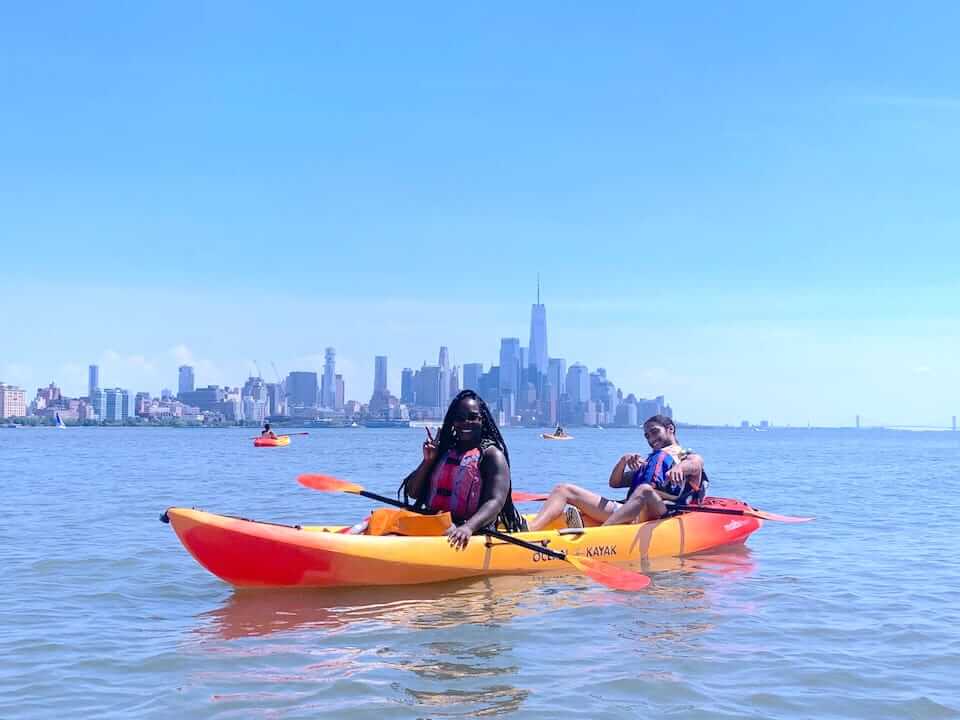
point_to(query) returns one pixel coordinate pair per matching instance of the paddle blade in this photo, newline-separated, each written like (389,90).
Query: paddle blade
(606,574)
(326,483)
(763,515)
(521,496)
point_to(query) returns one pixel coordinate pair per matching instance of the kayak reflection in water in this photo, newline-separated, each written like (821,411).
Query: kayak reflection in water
(465,471)
(668,472)
(267,432)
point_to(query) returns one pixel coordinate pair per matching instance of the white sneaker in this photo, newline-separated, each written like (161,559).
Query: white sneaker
(572,516)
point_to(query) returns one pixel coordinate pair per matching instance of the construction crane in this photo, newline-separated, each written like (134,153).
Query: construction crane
(279,381)
(259,374)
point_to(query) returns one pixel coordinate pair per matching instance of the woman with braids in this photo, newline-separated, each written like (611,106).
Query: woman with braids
(466,471)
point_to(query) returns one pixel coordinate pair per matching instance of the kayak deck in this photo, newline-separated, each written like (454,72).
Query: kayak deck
(249,553)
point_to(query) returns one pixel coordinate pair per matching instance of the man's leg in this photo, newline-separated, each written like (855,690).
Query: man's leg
(589,503)
(645,504)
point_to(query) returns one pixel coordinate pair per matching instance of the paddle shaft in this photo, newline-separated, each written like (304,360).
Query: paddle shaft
(492,533)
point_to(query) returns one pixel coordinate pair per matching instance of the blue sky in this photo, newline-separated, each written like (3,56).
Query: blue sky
(751,209)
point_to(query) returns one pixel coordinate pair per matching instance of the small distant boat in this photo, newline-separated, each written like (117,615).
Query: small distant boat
(9,426)
(385,423)
(59,420)
(279,441)
(550,436)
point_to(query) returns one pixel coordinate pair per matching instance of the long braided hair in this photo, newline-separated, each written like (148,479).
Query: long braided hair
(489,436)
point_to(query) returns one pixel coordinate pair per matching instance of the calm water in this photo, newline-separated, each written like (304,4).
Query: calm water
(855,615)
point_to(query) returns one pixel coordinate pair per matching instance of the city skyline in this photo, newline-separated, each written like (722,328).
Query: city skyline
(751,216)
(560,371)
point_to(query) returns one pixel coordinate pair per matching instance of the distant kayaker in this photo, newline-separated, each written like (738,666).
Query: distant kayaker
(267,432)
(559,431)
(465,470)
(669,472)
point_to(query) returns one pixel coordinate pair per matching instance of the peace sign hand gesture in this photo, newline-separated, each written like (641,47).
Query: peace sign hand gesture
(430,446)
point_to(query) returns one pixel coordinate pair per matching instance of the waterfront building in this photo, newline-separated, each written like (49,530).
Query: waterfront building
(208,398)
(255,388)
(657,406)
(578,383)
(166,394)
(254,409)
(454,381)
(13,401)
(141,404)
(471,376)
(510,357)
(276,406)
(116,404)
(427,393)
(444,363)
(380,399)
(406,386)
(339,393)
(302,389)
(185,382)
(380,373)
(328,386)
(93,380)
(488,387)
(98,406)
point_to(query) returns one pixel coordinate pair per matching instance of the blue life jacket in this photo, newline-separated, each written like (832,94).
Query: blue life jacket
(654,473)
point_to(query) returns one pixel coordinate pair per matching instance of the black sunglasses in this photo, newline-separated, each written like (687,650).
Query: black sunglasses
(464,416)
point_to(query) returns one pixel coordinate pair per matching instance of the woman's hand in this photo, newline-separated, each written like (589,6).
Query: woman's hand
(429,447)
(458,537)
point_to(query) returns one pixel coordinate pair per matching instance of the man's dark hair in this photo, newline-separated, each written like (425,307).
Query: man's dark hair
(662,420)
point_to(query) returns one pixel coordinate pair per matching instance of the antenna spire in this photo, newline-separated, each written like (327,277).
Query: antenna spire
(538,288)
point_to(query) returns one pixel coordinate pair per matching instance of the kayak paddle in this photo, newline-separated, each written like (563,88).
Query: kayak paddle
(521,496)
(604,573)
(281,435)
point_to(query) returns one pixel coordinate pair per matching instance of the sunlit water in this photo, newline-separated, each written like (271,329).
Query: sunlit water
(856,615)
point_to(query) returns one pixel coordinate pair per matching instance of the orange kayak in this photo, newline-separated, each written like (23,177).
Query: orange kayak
(248,553)
(280,441)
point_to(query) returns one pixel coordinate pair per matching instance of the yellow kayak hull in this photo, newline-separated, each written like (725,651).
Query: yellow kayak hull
(247,553)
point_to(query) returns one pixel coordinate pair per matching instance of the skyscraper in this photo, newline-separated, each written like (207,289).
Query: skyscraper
(186,379)
(380,400)
(471,376)
(444,362)
(93,380)
(339,392)
(578,383)
(538,335)
(302,389)
(428,388)
(328,392)
(509,363)
(380,373)
(406,386)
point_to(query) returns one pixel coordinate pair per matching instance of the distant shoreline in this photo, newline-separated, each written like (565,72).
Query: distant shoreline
(420,424)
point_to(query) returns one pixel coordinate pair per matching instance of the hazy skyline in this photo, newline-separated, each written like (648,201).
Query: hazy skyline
(749,209)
